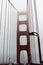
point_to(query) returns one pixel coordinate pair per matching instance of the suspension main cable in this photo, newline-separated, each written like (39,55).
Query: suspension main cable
(12,5)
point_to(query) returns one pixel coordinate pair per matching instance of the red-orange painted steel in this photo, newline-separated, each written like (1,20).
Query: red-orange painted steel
(23,47)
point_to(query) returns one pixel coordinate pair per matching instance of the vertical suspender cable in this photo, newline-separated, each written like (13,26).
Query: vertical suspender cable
(9,23)
(10,35)
(4,31)
(1,12)
(33,29)
(37,27)
(7,34)
(36,16)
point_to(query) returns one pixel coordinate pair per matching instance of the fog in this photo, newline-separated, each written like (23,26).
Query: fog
(8,29)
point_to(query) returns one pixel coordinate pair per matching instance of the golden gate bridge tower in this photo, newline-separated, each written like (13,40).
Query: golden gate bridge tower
(27,34)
